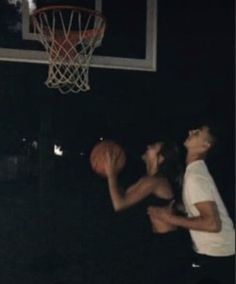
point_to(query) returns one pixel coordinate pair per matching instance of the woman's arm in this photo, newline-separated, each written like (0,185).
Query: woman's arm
(135,193)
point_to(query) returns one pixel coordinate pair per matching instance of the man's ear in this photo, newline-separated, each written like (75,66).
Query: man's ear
(207,145)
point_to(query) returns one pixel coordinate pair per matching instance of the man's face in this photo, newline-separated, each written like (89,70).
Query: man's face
(198,140)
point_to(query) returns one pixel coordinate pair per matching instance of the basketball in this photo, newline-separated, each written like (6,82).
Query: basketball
(98,156)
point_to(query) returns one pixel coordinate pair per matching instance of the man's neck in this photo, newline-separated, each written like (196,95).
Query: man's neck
(192,157)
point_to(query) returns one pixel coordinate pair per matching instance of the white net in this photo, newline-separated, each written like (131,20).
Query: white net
(69,35)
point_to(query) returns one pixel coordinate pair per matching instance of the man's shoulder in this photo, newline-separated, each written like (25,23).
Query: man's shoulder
(197,182)
(195,178)
(197,169)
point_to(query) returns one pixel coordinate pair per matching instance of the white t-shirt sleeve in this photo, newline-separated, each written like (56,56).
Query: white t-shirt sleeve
(199,189)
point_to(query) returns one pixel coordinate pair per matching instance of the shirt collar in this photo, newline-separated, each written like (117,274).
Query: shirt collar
(195,164)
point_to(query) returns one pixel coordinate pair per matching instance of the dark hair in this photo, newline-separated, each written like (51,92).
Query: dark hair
(171,167)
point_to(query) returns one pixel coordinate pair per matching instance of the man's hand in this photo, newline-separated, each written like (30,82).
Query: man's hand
(207,221)
(160,214)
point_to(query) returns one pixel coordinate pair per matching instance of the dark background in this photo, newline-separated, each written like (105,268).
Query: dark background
(58,224)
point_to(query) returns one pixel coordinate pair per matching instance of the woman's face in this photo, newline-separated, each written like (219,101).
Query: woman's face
(152,153)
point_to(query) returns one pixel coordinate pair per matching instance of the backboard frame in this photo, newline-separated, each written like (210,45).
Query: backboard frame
(149,63)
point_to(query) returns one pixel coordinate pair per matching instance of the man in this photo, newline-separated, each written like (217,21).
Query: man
(210,226)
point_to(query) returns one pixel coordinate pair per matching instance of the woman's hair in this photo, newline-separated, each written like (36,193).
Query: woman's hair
(171,168)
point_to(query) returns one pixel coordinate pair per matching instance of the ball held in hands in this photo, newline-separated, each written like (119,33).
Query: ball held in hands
(102,152)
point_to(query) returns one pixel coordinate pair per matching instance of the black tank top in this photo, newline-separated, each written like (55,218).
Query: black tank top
(153,200)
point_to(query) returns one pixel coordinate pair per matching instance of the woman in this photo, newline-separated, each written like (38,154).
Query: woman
(158,187)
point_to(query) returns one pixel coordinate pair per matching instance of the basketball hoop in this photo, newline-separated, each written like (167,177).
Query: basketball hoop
(69,34)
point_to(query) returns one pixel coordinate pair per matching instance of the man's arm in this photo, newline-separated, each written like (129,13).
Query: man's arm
(208,219)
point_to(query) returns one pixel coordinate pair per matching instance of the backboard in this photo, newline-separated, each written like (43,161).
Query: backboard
(130,40)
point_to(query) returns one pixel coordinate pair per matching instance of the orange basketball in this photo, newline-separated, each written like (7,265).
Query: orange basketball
(98,156)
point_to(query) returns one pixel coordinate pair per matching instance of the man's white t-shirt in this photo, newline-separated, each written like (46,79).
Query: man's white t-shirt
(199,186)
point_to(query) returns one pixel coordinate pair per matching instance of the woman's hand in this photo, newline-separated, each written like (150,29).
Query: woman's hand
(110,164)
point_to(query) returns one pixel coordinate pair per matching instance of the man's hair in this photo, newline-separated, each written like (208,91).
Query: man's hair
(212,135)
(215,133)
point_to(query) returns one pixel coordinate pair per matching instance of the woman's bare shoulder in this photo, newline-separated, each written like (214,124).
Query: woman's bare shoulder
(160,186)
(149,179)
(155,181)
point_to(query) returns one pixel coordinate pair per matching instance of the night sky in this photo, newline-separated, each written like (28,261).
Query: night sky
(194,83)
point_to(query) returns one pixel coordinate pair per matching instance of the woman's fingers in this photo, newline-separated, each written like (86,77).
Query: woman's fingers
(111,159)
